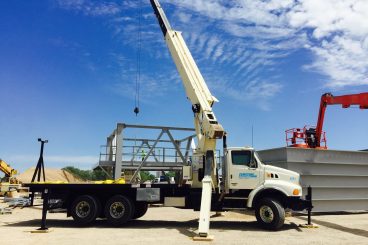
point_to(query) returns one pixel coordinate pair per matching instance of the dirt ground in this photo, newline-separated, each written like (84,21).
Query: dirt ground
(163,225)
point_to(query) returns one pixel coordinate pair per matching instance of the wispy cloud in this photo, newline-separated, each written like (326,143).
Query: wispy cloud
(155,86)
(152,84)
(338,39)
(91,8)
(247,39)
(217,50)
(252,90)
(343,59)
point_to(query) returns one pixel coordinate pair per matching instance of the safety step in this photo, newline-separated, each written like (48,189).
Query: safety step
(228,208)
(236,198)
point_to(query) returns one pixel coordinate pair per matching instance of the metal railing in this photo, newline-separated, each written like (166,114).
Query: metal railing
(135,154)
(170,148)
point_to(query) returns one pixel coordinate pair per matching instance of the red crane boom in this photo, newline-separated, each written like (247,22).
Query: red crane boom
(314,136)
(344,100)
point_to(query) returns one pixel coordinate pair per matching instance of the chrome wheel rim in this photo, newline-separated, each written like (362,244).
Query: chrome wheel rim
(83,209)
(266,214)
(117,210)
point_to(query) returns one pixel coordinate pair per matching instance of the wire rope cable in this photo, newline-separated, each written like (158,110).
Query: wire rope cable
(138,60)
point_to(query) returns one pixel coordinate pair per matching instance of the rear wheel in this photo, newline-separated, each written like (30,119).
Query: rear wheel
(270,214)
(85,209)
(140,209)
(119,210)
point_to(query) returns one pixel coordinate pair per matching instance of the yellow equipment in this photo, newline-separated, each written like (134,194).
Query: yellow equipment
(7,169)
(9,182)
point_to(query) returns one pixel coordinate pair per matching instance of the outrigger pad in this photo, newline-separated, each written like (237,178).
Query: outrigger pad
(42,231)
(308,226)
(203,238)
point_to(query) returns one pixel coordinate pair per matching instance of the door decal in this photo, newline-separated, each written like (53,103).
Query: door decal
(247,175)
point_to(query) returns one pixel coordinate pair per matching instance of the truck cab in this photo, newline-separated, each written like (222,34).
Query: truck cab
(245,170)
(267,189)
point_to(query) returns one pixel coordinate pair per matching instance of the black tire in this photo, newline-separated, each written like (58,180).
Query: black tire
(119,210)
(270,214)
(85,209)
(140,209)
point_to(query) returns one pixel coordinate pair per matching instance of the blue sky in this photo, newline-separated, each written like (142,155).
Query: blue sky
(68,71)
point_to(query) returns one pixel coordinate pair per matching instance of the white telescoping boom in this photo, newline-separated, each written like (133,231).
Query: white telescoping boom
(208,130)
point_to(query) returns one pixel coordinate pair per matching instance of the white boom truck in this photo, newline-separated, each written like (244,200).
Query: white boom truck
(245,182)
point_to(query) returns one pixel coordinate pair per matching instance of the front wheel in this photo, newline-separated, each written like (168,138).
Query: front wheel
(270,214)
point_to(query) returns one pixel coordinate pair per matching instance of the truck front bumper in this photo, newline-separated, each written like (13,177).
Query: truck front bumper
(300,204)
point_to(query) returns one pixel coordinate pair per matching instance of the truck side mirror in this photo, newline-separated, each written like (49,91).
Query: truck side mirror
(253,161)
(253,164)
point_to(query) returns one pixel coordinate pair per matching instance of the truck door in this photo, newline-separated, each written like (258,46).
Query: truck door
(243,172)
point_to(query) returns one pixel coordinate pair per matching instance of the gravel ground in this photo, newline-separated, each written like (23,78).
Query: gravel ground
(163,225)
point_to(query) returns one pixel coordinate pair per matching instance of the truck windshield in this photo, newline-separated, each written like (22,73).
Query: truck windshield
(241,157)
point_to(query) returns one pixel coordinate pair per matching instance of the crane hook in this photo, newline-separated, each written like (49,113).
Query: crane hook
(136,111)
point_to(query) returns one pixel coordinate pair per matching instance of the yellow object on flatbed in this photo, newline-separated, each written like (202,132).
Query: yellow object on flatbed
(110,181)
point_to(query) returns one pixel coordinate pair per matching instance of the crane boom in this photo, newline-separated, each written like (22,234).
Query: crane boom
(196,88)
(344,100)
(208,130)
